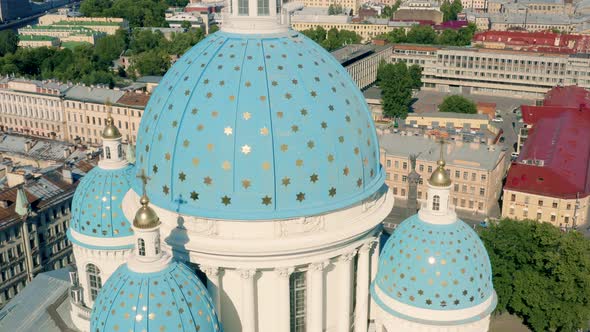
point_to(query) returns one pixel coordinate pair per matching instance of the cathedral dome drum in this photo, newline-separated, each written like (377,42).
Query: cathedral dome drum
(257,126)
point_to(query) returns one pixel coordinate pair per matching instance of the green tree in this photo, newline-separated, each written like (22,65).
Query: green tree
(182,42)
(8,42)
(457,104)
(421,34)
(333,38)
(540,273)
(396,89)
(94,7)
(394,36)
(456,8)
(152,62)
(109,48)
(186,25)
(415,72)
(145,40)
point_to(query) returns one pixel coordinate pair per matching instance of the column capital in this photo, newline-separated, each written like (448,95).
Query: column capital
(318,266)
(247,273)
(366,247)
(210,271)
(347,257)
(284,272)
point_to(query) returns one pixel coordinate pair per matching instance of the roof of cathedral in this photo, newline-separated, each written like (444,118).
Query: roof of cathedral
(173,299)
(257,127)
(97,203)
(439,267)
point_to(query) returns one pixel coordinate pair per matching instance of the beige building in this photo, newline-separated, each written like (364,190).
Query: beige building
(365,30)
(108,25)
(476,169)
(73,113)
(37,41)
(448,120)
(494,72)
(352,4)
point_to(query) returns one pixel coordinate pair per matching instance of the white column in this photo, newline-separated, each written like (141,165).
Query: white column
(213,286)
(346,291)
(283,295)
(248,313)
(316,296)
(362,290)
(374,267)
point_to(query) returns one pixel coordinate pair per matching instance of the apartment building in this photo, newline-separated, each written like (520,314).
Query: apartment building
(476,169)
(549,180)
(34,218)
(494,72)
(362,61)
(108,25)
(72,113)
(367,31)
(350,4)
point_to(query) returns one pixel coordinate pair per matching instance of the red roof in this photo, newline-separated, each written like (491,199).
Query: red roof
(560,140)
(537,41)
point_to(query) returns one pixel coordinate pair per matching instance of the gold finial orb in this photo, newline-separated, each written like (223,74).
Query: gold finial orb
(145,217)
(439,177)
(110,130)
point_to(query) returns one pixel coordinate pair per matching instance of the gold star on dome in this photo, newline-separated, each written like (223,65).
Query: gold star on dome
(359,182)
(313,178)
(208,180)
(225,200)
(194,111)
(181,176)
(332,192)
(186,143)
(248,84)
(167,156)
(286,181)
(274,83)
(266,165)
(196,161)
(294,128)
(310,144)
(226,165)
(288,95)
(303,112)
(246,183)
(346,170)
(165,190)
(260,68)
(330,158)
(246,115)
(324,125)
(194,195)
(300,196)
(284,147)
(155,168)
(246,149)
(228,131)
(264,131)
(266,200)
(210,146)
(299,162)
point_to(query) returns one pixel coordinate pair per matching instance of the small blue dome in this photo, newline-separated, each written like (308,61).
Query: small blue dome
(440,267)
(169,300)
(258,127)
(96,206)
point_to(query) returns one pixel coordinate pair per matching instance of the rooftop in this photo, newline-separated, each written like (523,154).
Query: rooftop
(93,94)
(134,99)
(447,115)
(470,155)
(555,157)
(537,41)
(39,149)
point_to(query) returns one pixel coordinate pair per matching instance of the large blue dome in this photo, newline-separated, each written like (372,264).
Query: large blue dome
(169,300)
(97,203)
(257,127)
(441,267)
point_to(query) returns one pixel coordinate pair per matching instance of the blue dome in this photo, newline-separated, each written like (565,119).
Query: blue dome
(258,127)
(169,300)
(440,267)
(96,206)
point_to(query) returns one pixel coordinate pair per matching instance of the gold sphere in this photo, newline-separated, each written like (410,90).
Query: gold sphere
(111,131)
(145,217)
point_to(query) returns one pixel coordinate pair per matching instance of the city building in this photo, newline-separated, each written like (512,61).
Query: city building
(419,11)
(350,4)
(494,72)
(72,113)
(38,152)
(37,41)
(475,5)
(434,270)
(64,34)
(450,121)
(108,25)
(549,180)
(477,169)
(362,61)
(14,9)
(34,217)
(533,41)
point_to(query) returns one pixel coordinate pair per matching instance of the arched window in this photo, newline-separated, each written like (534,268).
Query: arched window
(107,152)
(119,151)
(435,203)
(157,244)
(141,247)
(94,280)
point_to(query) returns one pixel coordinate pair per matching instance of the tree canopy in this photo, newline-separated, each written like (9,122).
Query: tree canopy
(333,38)
(8,42)
(457,104)
(396,83)
(139,13)
(540,274)
(451,9)
(420,34)
(387,11)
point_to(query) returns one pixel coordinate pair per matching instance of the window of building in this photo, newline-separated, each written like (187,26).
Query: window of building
(456,187)
(552,217)
(511,211)
(512,197)
(525,213)
(462,203)
(94,280)
(457,174)
(263,8)
(482,191)
(539,215)
(464,188)
(554,205)
(395,190)
(421,168)
(157,244)
(404,165)
(298,299)
(473,175)
(404,178)
(540,203)
(396,164)
(242,7)
(526,200)
(107,152)
(471,204)
(436,203)
(403,192)
(387,176)
(388,163)
(569,206)
(141,247)
(465,175)
(429,169)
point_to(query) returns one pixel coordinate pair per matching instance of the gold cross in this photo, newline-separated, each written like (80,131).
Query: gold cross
(144,179)
(442,142)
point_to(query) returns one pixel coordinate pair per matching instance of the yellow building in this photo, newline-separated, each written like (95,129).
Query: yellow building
(108,25)
(476,169)
(365,30)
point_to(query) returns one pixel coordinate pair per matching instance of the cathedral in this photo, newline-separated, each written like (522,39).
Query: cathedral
(254,203)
